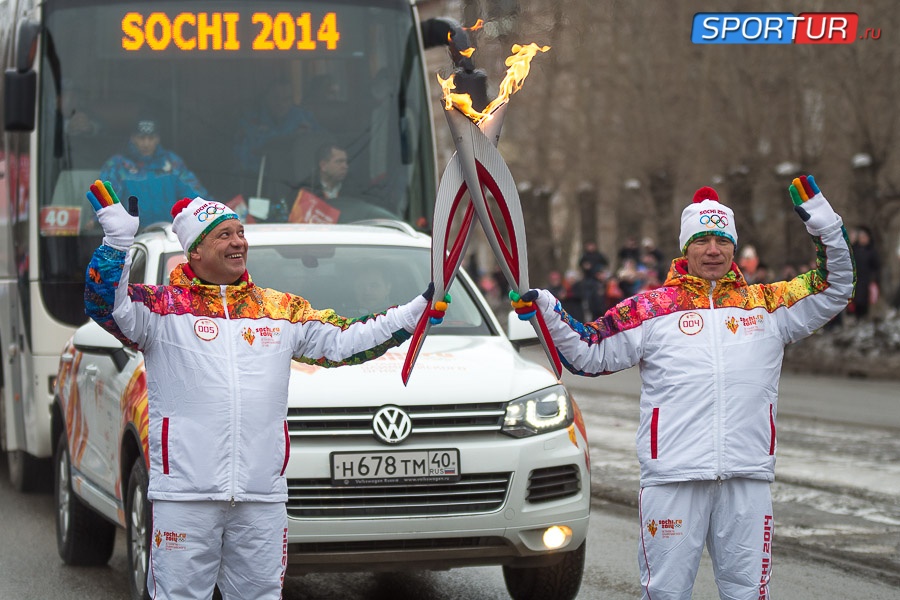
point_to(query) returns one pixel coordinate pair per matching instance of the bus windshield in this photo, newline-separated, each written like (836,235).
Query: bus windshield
(287,111)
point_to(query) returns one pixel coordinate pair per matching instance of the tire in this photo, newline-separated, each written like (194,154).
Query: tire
(83,537)
(138,528)
(557,582)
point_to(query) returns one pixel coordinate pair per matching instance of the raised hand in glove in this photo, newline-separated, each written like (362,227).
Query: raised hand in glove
(810,204)
(439,309)
(524,304)
(119,225)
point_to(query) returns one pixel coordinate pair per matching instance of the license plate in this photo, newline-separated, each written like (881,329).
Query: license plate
(399,466)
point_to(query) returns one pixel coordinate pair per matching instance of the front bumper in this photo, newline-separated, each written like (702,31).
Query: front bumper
(545,481)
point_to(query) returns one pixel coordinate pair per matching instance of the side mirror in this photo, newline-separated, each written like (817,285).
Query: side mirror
(93,339)
(19,97)
(20,84)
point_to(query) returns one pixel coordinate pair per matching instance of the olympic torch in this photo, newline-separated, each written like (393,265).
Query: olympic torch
(474,169)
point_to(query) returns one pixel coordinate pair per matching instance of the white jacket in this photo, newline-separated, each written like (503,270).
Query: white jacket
(710,357)
(218,364)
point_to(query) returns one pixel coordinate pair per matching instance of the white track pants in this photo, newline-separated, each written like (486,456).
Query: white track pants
(195,545)
(732,517)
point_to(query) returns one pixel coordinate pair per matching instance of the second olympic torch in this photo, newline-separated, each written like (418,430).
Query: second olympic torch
(476,171)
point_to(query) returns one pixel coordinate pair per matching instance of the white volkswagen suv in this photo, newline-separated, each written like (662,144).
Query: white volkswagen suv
(481,460)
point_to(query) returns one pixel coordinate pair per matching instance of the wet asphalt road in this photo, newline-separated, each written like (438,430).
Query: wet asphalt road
(838,519)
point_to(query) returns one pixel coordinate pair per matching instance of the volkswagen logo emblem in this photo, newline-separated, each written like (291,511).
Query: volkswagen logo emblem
(391,424)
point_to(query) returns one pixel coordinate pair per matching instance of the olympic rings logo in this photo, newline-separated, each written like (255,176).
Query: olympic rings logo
(712,221)
(212,211)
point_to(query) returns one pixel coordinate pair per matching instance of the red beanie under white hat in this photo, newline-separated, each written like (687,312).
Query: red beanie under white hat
(193,219)
(706,216)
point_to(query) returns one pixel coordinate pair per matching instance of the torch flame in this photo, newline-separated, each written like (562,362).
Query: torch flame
(478,25)
(519,65)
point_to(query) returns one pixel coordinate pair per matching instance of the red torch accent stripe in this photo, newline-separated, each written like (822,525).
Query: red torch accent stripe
(510,253)
(456,248)
(654,429)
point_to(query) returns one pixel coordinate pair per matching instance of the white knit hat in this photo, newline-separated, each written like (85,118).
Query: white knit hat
(706,216)
(193,219)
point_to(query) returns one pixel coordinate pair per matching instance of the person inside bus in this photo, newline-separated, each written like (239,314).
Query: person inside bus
(278,118)
(78,121)
(147,170)
(332,167)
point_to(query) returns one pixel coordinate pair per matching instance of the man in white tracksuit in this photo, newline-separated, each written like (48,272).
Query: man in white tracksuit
(218,351)
(710,349)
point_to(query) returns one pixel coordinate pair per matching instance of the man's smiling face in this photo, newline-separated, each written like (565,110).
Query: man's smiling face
(221,257)
(710,257)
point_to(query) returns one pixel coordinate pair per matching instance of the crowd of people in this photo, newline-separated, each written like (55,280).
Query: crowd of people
(598,284)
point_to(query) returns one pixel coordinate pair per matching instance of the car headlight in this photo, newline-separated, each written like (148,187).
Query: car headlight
(547,410)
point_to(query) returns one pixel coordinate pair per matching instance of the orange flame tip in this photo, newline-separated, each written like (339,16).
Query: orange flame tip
(519,65)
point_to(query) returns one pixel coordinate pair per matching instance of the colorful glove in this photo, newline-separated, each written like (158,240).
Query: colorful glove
(437,312)
(810,204)
(119,225)
(524,304)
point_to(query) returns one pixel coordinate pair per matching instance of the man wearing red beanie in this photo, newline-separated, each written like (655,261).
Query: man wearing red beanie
(218,437)
(710,349)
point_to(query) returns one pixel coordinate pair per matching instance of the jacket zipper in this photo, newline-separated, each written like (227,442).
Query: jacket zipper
(236,396)
(717,383)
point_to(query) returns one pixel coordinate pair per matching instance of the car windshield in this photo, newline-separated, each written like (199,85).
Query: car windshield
(356,280)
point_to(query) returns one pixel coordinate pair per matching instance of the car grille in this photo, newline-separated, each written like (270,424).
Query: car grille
(429,419)
(473,494)
(553,483)
(393,545)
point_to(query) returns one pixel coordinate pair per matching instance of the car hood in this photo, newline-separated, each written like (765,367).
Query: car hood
(449,369)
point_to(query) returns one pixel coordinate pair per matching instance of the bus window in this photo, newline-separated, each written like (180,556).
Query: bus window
(350,74)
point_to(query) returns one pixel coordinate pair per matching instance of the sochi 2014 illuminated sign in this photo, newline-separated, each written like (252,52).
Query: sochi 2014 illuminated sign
(209,32)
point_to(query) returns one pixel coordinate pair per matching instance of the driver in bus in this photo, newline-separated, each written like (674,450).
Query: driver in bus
(146,170)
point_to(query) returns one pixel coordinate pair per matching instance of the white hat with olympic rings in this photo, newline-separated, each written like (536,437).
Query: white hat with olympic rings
(193,219)
(706,216)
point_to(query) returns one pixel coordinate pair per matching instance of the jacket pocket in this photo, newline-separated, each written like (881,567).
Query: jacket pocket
(287,448)
(165,445)
(771,429)
(654,433)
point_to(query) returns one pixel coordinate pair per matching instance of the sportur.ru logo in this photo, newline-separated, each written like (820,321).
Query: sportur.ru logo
(778,28)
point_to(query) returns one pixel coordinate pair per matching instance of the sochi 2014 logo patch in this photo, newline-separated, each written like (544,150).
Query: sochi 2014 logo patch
(690,323)
(170,540)
(206,329)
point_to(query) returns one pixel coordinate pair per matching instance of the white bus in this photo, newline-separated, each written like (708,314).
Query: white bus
(84,76)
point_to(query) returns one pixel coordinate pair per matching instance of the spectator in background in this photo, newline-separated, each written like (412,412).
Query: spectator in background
(788,272)
(629,277)
(573,300)
(157,176)
(654,271)
(594,287)
(868,272)
(591,260)
(648,246)
(749,262)
(555,284)
(763,274)
(628,250)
